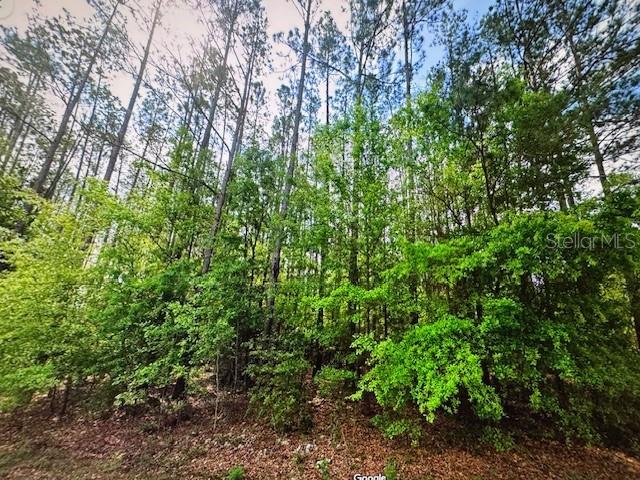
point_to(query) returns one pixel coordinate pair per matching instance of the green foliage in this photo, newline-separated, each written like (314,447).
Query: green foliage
(395,425)
(153,333)
(235,473)
(46,336)
(556,337)
(448,257)
(278,392)
(432,365)
(323,468)
(334,382)
(498,439)
(12,201)
(391,470)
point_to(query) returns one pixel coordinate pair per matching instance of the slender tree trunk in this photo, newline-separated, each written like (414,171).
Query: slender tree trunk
(586,108)
(235,147)
(64,163)
(94,172)
(65,397)
(597,153)
(65,158)
(224,134)
(221,78)
(320,314)
(562,200)
(570,198)
(86,141)
(354,223)
(411,211)
(38,184)
(85,175)
(115,151)
(633,291)
(118,176)
(288,184)
(487,184)
(16,157)
(326,91)
(136,176)
(53,394)
(21,122)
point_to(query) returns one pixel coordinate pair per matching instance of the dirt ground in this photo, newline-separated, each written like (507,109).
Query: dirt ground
(34,445)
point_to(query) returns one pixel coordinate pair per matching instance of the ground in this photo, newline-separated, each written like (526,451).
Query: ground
(35,445)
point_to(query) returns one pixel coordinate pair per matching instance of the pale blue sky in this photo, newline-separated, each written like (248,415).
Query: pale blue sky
(181,25)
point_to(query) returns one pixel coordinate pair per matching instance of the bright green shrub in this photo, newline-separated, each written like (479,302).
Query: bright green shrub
(528,324)
(46,335)
(432,366)
(235,473)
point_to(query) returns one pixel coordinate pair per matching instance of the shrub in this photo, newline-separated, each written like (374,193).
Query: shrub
(278,391)
(432,365)
(391,470)
(235,473)
(512,320)
(323,467)
(393,425)
(498,439)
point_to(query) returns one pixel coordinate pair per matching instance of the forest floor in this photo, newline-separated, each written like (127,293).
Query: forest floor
(34,446)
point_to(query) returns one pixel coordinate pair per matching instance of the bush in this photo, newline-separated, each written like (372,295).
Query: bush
(498,439)
(278,392)
(519,323)
(391,470)
(236,473)
(394,425)
(432,365)
(323,468)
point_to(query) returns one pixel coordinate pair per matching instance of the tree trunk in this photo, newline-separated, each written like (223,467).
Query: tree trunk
(38,184)
(16,157)
(288,183)
(86,140)
(586,108)
(136,176)
(633,292)
(235,146)
(411,212)
(21,122)
(326,91)
(206,137)
(115,151)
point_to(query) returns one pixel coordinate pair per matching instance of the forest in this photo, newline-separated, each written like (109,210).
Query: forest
(402,236)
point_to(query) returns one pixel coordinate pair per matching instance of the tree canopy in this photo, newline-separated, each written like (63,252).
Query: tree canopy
(452,237)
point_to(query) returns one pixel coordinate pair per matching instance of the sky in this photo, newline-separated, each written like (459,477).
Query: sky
(181,22)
